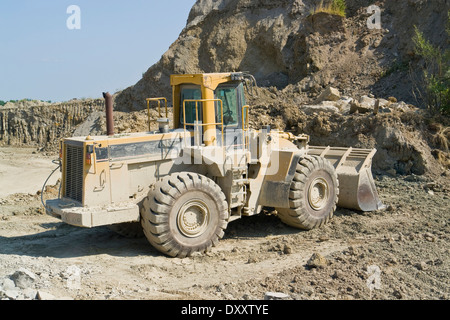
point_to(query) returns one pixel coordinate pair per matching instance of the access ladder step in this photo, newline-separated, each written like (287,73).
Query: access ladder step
(240,182)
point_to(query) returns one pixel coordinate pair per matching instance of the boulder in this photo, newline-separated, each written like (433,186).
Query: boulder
(317,261)
(325,106)
(367,104)
(330,94)
(401,106)
(23,278)
(276,296)
(42,295)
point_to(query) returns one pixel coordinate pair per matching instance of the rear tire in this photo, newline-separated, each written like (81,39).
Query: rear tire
(185,213)
(313,194)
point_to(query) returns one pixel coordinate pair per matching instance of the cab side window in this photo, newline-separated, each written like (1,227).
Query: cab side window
(229,97)
(191,93)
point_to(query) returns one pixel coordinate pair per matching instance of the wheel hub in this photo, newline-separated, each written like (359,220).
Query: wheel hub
(193,218)
(318,194)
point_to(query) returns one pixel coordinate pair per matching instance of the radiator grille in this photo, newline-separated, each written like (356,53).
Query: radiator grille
(74,173)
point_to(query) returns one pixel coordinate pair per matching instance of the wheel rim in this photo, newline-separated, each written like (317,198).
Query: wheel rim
(318,194)
(193,218)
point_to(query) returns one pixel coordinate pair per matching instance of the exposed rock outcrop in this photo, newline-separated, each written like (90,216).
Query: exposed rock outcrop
(43,125)
(283,45)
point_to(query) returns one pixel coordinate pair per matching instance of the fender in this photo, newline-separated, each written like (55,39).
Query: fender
(275,187)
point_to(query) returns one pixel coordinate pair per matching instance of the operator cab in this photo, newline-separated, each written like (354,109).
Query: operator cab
(211,102)
(232,97)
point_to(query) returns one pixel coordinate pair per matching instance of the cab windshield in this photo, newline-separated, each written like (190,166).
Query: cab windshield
(231,99)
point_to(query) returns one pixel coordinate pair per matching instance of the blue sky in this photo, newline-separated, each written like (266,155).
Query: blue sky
(41,58)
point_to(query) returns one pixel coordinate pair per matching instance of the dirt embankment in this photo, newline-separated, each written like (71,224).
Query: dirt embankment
(43,124)
(408,141)
(282,45)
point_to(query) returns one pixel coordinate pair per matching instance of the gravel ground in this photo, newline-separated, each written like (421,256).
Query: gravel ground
(399,253)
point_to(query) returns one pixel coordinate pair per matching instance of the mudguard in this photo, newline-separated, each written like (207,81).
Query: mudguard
(277,182)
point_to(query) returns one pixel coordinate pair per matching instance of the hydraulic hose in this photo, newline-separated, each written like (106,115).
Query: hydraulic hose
(45,183)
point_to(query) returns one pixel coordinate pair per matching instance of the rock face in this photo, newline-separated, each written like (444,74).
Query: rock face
(227,36)
(282,44)
(43,125)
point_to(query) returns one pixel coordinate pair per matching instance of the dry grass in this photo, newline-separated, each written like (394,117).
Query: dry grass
(336,7)
(442,137)
(441,140)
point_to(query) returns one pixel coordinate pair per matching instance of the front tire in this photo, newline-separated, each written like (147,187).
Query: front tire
(185,213)
(313,194)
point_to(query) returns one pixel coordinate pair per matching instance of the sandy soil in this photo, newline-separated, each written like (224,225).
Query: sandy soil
(24,170)
(400,253)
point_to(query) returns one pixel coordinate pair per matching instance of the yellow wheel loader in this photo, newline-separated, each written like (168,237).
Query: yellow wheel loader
(183,183)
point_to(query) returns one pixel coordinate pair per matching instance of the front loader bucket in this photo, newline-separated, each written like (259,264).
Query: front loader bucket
(357,189)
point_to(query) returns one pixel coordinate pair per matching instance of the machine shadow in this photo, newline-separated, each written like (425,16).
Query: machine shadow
(259,226)
(65,241)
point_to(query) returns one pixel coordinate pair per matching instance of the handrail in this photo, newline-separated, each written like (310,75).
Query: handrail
(159,108)
(245,125)
(196,115)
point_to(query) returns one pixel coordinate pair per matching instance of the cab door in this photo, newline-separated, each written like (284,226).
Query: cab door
(232,97)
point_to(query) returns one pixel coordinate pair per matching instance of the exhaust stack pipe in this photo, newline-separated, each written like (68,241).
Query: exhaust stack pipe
(109,114)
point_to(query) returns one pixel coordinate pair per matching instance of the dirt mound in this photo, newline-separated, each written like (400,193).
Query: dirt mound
(407,142)
(282,45)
